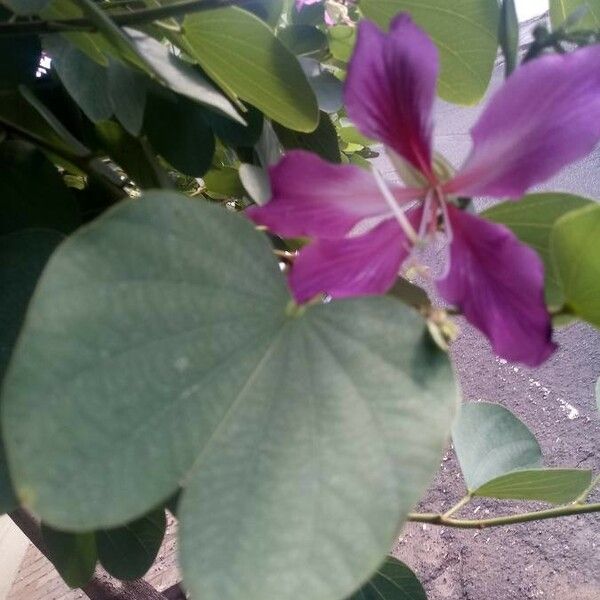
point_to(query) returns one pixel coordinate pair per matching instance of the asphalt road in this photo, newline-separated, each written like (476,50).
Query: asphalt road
(554,560)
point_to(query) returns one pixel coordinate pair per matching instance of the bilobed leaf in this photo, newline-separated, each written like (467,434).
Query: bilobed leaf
(321,141)
(128,552)
(557,486)
(465,32)
(180,76)
(72,554)
(393,580)
(296,431)
(490,441)
(85,80)
(561,9)
(531,219)
(576,255)
(243,56)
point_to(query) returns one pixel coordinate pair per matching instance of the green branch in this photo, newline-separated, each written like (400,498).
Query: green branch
(550,513)
(122,18)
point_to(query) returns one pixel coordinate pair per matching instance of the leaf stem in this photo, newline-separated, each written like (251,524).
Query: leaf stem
(122,18)
(457,506)
(550,513)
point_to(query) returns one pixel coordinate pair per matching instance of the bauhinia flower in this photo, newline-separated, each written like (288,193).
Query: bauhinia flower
(546,115)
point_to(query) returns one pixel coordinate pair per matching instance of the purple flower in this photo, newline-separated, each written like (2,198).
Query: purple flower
(546,115)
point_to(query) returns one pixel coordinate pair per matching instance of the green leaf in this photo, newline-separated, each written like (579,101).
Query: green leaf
(351,135)
(72,554)
(531,219)
(341,41)
(128,552)
(85,80)
(127,93)
(244,57)
(576,254)
(327,87)
(182,77)
(256,183)
(26,7)
(508,35)
(32,193)
(23,111)
(133,155)
(322,141)
(490,441)
(303,40)
(234,134)
(410,294)
(557,486)
(465,32)
(184,139)
(224,181)
(561,9)
(296,431)
(392,581)
(23,255)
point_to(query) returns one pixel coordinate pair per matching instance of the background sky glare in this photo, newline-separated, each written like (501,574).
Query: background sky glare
(530,8)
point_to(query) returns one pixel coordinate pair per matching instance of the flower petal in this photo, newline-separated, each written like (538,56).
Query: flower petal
(390,88)
(314,198)
(355,266)
(544,117)
(498,283)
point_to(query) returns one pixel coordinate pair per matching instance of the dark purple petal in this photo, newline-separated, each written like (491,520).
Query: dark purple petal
(314,198)
(545,116)
(390,88)
(498,283)
(355,266)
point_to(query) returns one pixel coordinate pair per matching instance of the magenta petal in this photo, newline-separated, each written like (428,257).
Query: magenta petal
(390,88)
(545,116)
(314,198)
(356,266)
(498,283)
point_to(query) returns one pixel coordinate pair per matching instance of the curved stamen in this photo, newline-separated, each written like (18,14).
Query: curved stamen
(407,228)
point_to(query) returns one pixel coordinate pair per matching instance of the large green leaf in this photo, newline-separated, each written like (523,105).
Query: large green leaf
(490,441)
(23,255)
(243,56)
(84,79)
(178,357)
(72,554)
(184,139)
(127,93)
(531,219)
(392,581)
(561,9)
(322,141)
(557,486)
(180,76)
(576,254)
(128,552)
(465,32)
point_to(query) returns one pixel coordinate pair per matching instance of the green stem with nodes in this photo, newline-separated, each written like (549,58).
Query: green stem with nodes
(122,18)
(539,515)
